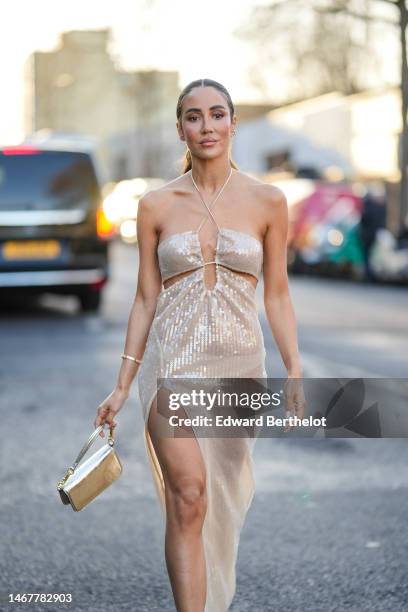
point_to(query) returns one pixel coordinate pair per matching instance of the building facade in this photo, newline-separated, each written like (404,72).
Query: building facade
(78,89)
(358,135)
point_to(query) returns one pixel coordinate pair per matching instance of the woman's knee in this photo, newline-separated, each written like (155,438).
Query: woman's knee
(188,501)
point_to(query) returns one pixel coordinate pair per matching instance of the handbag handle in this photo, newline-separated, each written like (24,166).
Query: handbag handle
(83,451)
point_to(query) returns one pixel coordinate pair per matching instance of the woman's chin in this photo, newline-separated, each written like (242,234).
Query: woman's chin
(209,153)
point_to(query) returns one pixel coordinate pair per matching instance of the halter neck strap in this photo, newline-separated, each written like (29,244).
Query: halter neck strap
(212,204)
(206,218)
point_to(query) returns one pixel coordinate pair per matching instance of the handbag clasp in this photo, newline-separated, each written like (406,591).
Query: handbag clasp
(67,474)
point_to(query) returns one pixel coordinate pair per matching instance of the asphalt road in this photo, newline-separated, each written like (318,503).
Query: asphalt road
(327,530)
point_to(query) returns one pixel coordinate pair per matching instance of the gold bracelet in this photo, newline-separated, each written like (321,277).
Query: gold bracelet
(130,358)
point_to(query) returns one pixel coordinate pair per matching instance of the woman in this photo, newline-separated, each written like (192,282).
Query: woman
(204,238)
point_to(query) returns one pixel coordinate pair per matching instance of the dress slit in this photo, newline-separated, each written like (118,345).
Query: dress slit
(229,484)
(151,452)
(161,488)
(154,462)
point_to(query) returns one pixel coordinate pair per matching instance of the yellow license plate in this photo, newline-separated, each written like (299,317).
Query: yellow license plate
(31,249)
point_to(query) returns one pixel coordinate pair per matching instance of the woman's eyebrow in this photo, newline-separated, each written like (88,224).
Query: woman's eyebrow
(198,110)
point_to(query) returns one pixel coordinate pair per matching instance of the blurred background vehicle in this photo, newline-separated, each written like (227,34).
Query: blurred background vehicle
(121,201)
(373,218)
(389,258)
(324,218)
(325,232)
(54,234)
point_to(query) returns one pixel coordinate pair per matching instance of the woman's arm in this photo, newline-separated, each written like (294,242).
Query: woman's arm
(142,310)
(278,304)
(147,290)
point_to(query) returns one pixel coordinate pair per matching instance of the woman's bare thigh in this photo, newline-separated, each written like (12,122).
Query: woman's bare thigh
(180,458)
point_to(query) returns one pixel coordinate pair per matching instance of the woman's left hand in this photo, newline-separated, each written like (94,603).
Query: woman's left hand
(294,398)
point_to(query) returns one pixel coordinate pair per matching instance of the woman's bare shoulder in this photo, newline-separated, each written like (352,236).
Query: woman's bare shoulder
(263,192)
(163,195)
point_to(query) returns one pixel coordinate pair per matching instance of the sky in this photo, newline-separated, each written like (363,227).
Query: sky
(194,37)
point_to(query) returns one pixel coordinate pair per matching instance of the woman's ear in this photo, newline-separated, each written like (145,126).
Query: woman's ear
(180,131)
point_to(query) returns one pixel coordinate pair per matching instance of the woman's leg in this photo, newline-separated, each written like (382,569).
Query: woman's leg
(186,503)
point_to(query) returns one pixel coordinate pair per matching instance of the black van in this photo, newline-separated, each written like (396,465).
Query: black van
(54,236)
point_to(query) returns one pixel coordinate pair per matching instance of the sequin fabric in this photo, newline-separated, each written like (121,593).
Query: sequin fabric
(200,332)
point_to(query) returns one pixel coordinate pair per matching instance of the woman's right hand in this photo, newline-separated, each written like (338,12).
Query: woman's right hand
(109,408)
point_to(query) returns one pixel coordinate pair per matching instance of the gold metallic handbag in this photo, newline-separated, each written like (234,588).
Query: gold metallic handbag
(80,485)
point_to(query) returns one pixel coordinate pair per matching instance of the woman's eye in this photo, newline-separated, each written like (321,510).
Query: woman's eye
(218,115)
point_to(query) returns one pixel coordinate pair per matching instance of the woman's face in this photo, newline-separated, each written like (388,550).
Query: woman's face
(206,116)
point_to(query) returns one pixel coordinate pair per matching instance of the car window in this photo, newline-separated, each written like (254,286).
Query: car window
(47,180)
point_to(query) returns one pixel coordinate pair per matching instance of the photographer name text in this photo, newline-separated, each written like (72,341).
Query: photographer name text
(260,421)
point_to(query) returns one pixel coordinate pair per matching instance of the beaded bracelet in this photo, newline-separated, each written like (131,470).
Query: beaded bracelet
(130,358)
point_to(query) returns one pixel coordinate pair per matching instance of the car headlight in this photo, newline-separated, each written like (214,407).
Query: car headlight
(128,229)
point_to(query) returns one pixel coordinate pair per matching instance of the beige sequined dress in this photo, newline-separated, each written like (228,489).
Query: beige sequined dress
(201,332)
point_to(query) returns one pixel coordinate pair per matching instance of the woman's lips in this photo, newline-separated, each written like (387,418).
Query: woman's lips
(208,143)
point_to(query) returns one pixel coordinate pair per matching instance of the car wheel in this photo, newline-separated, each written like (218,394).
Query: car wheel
(90,300)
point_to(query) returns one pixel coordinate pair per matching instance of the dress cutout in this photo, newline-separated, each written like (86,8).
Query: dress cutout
(199,332)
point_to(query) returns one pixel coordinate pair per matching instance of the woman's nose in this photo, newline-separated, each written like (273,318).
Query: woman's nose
(206,129)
